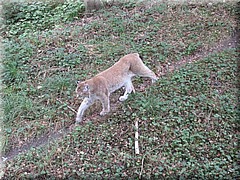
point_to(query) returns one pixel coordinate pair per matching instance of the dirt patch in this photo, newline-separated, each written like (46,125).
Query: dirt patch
(162,70)
(202,53)
(34,143)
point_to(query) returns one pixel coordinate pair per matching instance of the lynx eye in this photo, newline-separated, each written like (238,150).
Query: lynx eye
(85,88)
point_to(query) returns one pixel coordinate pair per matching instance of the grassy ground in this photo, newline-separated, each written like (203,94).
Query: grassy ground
(186,120)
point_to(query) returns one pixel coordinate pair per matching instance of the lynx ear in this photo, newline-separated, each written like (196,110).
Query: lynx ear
(86,88)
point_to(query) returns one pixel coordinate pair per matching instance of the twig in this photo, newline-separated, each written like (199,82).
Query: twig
(67,106)
(136,138)
(140,175)
(123,132)
(53,69)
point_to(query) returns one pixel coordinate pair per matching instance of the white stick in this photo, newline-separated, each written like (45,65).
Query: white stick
(67,106)
(136,138)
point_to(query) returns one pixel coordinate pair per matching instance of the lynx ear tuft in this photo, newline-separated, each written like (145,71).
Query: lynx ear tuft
(86,88)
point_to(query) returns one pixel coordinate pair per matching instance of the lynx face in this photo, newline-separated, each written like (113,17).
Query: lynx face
(82,89)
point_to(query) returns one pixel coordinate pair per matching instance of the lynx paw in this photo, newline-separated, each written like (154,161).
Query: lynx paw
(122,98)
(78,120)
(102,113)
(154,80)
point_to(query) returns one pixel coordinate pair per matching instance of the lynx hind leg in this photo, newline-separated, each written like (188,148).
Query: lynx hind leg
(146,72)
(105,104)
(140,69)
(128,89)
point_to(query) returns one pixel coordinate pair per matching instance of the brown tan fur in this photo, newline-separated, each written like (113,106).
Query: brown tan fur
(103,84)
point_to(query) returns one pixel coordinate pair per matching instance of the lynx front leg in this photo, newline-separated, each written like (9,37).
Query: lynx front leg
(84,105)
(105,104)
(128,89)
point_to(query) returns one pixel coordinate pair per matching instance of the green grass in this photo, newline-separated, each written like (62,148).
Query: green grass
(26,16)
(187,129)
(186,120)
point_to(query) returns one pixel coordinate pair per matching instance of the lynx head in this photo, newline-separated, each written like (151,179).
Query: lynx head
(82,89)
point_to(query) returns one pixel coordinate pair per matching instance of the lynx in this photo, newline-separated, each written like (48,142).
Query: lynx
(103,84)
